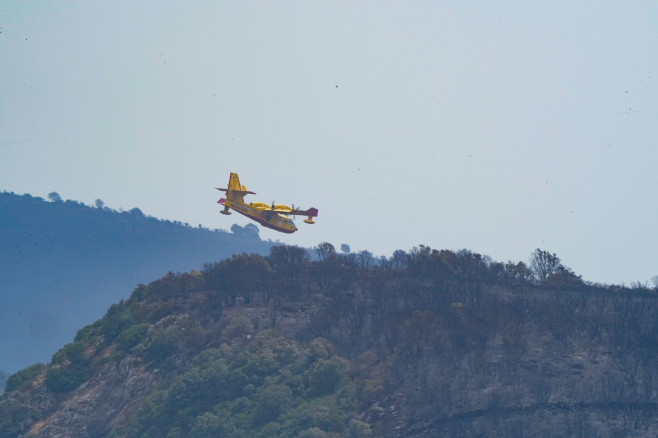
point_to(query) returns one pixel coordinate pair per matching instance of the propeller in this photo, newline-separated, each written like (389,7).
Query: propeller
(282,211)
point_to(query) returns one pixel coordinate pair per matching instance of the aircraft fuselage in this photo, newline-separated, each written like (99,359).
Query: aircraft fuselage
(264,217)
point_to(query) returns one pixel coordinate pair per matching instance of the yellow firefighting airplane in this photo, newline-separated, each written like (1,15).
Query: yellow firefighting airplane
(274,216)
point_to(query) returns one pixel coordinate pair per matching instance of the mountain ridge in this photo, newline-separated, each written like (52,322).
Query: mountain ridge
(425,343)
(53,253)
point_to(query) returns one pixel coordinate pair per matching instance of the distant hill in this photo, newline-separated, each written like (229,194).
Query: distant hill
(63,263)
(427,343)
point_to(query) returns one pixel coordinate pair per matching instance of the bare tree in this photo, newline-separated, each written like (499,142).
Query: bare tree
(365,259)
(399,259)
(325,250)
(543,264)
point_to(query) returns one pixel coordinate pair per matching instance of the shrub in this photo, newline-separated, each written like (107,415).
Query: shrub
(113,324)
(160,349)
(238,328)
(325,377)
(66,379)
(69,369)
(23,378)
(274,399)
(132,336)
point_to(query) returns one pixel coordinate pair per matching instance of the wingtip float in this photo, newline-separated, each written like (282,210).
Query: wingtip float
(274,216)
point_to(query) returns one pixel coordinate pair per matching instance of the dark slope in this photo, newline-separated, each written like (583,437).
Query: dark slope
(63,263)
(430,343)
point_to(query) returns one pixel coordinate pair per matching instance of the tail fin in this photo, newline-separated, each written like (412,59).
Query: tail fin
(234,183)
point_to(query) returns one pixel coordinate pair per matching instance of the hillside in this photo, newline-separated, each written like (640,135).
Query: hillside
(62,264)
(427,343)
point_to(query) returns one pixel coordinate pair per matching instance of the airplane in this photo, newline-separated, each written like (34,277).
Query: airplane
(273,216)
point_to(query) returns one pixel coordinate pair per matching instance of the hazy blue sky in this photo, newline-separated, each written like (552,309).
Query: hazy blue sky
(494,126)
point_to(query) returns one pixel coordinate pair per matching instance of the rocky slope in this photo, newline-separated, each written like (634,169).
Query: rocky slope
(435,344)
